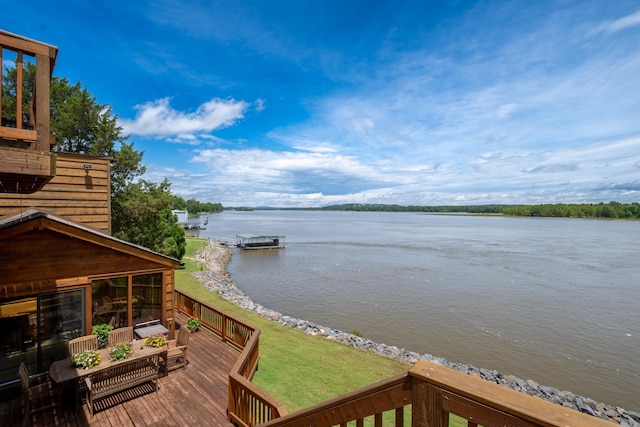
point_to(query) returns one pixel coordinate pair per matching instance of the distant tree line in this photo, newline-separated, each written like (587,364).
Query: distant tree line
(601,210)
(585,210)
(366,207)
(194,206)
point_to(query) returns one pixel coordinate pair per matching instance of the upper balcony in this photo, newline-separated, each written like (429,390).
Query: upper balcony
(26,160)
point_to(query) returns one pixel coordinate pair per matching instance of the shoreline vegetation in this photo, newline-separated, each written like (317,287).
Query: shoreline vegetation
(212,259)
(611,210)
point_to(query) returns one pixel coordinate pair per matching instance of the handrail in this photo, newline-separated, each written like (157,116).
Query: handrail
(432,392)
(248,404)
(386,399)
(484,403)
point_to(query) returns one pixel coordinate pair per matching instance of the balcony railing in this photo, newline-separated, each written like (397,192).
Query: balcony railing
(427,395)
(25,137)
(248,404)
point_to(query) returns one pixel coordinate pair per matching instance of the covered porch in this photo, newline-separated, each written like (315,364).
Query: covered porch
(60,278)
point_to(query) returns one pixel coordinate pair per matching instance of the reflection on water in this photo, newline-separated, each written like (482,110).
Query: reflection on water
(553,300)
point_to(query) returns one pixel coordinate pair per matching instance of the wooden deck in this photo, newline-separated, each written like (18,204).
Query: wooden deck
(197,395)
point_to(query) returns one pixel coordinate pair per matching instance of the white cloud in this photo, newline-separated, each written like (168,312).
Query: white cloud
(623,23)
(261,166)
(158,119)
(539,115)
(601,171)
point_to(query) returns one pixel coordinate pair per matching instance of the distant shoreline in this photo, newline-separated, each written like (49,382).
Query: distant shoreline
(217,279)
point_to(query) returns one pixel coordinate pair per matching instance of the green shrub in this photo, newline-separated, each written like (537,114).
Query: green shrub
(193,323)
(102,332)
(121,352)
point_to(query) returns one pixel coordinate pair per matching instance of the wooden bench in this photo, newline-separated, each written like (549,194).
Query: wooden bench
(120,377)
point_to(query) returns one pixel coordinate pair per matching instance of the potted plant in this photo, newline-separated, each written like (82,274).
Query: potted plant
(102,332)
(155,340)
(193,324)
(121,352)
(86,359)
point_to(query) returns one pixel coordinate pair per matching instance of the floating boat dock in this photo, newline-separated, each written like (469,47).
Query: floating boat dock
(259,241)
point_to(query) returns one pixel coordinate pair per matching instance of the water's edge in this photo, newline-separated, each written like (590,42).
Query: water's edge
(216,279)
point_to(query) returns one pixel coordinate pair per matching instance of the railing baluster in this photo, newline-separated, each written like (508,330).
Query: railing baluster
(400,417)
(19,84)
(1,84)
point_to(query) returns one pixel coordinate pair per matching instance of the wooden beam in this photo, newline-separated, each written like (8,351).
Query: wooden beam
(42,121)
(19,134)
(13,42)
(73,281)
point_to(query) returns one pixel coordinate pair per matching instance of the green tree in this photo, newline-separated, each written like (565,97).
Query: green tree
(194,207)
(142,213)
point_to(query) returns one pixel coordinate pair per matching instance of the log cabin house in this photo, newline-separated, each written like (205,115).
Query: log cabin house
(62,272)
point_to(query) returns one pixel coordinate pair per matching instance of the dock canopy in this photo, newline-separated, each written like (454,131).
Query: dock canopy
(260,241)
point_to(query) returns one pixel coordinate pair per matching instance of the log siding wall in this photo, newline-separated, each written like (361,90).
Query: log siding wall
(75,193)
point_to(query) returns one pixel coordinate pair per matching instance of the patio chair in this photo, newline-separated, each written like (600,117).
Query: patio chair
(176,356)
(120,336)
(81,344)
(39,393)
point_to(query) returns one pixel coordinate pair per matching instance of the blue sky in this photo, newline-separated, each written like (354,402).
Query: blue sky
(311,103)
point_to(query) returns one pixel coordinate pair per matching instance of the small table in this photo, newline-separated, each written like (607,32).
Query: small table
(146,331)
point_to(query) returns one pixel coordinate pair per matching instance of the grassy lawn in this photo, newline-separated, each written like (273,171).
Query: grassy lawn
(298,369)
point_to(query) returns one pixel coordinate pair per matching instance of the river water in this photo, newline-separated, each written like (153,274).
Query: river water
(552,300)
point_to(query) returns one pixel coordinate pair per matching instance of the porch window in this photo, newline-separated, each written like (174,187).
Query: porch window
(35,330)
(109,301)
(147,294)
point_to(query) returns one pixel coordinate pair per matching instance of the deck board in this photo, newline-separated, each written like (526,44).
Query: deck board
(197,395)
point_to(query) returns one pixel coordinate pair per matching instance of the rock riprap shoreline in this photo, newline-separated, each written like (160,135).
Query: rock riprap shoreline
(215,258)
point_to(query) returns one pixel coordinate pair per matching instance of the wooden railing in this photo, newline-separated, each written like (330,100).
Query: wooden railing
(38,130)
(25,137)
(425,396)
(248,404)
(428,394)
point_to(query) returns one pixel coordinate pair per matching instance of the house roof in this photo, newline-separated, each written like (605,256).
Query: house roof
(65,226)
